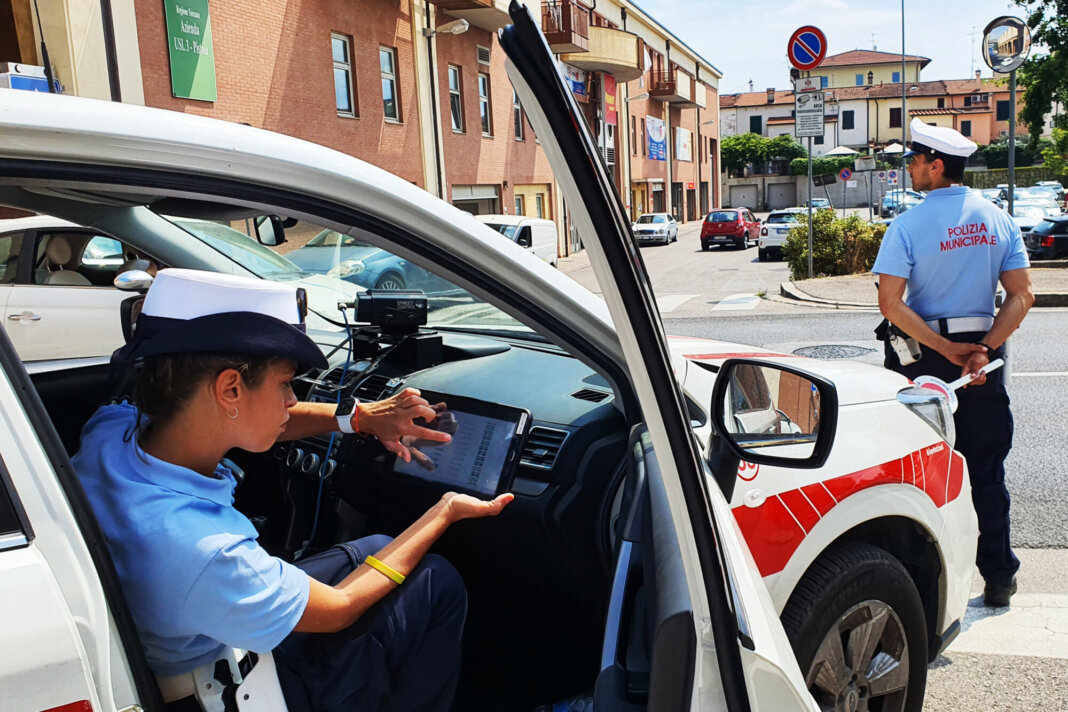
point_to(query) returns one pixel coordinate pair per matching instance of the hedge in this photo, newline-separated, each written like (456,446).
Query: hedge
(839,246)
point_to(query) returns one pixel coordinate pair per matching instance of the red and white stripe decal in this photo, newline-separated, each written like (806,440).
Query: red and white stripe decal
(775,529)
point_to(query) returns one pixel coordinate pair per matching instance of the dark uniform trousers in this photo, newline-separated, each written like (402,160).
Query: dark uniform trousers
(984,436)
(403,654)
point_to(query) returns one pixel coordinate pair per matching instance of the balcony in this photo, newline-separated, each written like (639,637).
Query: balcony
(613,51)
(490,15)
(566,25)
(673,86)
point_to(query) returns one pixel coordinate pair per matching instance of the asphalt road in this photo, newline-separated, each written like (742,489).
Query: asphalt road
(1005,659)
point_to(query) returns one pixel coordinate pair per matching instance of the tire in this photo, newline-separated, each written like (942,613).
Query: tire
(762,255)
(850,590)
(705,247)
(390,281)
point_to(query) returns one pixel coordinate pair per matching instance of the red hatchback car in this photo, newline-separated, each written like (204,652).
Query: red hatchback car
(729,226)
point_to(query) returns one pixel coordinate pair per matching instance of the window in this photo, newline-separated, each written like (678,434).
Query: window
(633,136)
(823,82)
(967,101)
(818,140)
(343,94)
(755,125)
(1003,110)
(539,205)
(941,103)
(895,117)
(966,128)
(9,257)
(860,80)
(456,99)
(484,103)
(847,120)
(10,521)
(387,61)
(895,77)
(643,136)
(519,205)
(517,112)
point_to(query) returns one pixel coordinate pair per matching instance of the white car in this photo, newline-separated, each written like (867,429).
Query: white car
(57,290)
(775,230)
(536,234)
(655,227)
(647,458)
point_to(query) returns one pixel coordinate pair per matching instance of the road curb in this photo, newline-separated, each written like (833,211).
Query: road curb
(790,291)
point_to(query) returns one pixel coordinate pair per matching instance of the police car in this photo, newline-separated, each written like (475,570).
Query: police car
(698,525)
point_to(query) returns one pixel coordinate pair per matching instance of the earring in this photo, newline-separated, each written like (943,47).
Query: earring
(232,416)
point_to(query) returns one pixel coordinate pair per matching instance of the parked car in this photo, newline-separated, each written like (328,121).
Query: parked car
(818,204)
(60,300)
(632,485)
(355,260)
(655,227)
(729,226)
(896,197)
(1028,214)
(1048,240)
(1052,185)
(995,196)
(536,234)
(775,230)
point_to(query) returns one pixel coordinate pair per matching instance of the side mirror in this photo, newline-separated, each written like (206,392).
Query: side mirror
(524,238)
(769,414)
(270,230)
(133,280)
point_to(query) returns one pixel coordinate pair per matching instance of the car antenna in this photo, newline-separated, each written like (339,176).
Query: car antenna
(44,52)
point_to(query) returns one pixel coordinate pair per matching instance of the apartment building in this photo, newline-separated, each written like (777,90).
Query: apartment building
(402,84)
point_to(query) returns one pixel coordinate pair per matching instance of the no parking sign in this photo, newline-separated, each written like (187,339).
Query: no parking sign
(845,174)
(882,176)
(891,177)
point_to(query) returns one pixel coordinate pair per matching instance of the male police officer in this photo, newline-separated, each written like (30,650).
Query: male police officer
(950,251)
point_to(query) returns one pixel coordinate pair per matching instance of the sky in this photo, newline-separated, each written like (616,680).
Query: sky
(746,39)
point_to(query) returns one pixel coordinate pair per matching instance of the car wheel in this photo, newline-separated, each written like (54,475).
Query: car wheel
(743,244)
(390,281)
(705,247)
(762,255)
(857,627)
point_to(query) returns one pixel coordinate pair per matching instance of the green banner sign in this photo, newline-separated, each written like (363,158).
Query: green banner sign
(191,53)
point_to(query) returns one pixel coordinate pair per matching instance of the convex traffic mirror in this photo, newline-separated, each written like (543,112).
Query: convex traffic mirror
(1006,43)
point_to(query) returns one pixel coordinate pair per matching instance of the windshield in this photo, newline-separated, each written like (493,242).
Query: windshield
(783,218)
(240,248)
(1029,211)
(508,231)
(723,216)
(646,219)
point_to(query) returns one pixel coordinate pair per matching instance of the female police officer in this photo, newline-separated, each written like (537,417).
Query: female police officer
(216,355)
(951,251)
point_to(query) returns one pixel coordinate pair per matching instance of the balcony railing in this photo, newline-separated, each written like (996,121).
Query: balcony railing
(673,86)
(566,25)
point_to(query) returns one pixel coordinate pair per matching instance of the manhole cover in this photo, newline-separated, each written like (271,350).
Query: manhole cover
(832,351)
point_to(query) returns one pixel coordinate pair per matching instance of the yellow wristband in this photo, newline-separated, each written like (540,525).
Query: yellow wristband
(385,569)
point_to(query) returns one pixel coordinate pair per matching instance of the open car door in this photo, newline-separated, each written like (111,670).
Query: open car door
(709,638)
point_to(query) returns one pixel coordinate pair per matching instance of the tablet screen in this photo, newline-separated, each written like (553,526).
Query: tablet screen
(482,454)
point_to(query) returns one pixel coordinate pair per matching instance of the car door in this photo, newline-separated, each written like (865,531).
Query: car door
(62,307)
(718,610)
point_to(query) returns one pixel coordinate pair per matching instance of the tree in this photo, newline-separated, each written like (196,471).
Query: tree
(738,151)
(783,146)
(1045,76)
(1055,155)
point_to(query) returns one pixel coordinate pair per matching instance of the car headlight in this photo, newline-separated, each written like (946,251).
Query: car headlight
(346,268)
(932,407)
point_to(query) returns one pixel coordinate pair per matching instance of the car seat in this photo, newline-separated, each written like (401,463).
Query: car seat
(58,254)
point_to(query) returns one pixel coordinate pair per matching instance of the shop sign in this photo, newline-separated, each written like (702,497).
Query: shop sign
(576,79)
(657,138)
(189,46)
(683,144)
(610,100)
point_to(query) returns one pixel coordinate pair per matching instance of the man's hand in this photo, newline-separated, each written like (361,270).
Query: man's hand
(464,506)
(392,419)
(975,362)
(959,353)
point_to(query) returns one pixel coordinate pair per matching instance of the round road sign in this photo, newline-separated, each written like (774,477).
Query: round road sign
(845,174)
(807,47)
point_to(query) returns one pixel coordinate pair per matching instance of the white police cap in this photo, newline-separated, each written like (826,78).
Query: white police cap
(191,311)
(938,138)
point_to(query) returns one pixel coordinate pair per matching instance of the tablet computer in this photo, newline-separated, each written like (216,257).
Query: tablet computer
(487,441)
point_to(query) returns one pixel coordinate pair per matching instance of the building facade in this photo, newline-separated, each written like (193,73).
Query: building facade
(404,85)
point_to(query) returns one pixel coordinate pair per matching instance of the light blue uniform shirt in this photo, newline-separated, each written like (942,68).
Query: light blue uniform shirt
(194,577)
(951,248)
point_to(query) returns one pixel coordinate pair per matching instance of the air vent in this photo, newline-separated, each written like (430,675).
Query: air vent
(588,394)
(374,387)
(483,54)
(332,378)
(542,447)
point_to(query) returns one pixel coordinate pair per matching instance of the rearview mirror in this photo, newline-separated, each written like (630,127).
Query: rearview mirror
(771,414)
(270,230)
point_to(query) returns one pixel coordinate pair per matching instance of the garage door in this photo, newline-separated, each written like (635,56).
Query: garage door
(782,195)
(744,196)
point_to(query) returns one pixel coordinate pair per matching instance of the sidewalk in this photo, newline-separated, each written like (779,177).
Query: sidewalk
(1050,284)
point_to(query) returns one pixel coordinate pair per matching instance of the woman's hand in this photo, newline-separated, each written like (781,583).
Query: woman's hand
(392,420)
(464,506)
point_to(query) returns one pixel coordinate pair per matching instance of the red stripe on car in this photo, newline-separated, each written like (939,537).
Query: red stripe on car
(776,528)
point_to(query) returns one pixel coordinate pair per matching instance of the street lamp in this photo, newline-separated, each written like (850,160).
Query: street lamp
(456,27)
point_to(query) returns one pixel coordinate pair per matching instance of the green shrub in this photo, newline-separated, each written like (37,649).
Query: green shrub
(839,245)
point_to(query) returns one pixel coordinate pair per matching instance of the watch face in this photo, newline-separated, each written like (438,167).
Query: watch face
(346,406)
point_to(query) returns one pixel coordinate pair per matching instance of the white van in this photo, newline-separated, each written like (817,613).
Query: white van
(536,234)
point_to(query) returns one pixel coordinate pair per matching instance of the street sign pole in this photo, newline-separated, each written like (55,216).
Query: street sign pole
(1012,139)
(810,207)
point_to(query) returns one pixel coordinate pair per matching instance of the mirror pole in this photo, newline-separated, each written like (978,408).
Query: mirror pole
(1012,139)
(810,186)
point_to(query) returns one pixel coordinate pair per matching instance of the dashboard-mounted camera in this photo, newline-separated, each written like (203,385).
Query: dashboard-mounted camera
(394,311)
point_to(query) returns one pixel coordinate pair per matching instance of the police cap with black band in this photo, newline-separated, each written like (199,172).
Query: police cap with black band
(192,311)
